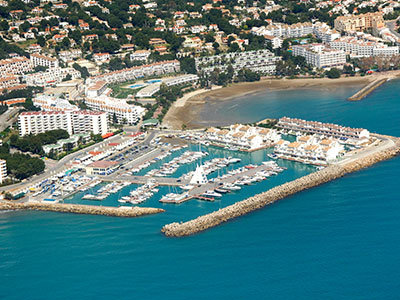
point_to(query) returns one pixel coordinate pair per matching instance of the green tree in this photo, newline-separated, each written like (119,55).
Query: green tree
(333,73)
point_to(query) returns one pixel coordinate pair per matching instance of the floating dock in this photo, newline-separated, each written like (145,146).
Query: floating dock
(365,91)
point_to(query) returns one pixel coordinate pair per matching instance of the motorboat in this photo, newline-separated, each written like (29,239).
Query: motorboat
(211,193)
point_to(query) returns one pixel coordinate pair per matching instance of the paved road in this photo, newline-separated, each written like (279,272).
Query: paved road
(8,118)
(65,163)
(392,25)
(62,165)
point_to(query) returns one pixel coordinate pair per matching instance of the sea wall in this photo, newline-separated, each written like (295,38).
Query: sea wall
(279,192)
(81,209)
(365,91)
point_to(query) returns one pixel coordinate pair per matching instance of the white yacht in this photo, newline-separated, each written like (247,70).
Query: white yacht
(211,193)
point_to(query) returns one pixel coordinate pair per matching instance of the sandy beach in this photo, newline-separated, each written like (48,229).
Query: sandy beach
(186,110)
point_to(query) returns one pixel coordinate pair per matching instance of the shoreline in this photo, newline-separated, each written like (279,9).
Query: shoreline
(330,173)
(187,111)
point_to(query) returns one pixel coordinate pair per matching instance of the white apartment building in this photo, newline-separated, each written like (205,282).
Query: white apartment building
(72,121)
(44,61)
(323,129)
(325,33)
(3,170)
(244,137)
(70,55)
(140,55)
(284,30)
(96,89)
(360,48)
(16,65)
(261,61)
(310,150)
(49,103)
(51,76)
(8,81)
(101,57)
(320,56)
(151,89)
(158,68)
(275,41)
(123,111)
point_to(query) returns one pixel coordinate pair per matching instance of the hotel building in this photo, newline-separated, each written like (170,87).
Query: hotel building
(125,113)
(72,121)
(320,56)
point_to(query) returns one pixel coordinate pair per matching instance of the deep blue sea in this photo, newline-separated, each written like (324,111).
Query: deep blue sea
(337,241)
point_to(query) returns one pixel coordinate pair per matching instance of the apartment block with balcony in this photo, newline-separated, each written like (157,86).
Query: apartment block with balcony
(320,55)
(72,122)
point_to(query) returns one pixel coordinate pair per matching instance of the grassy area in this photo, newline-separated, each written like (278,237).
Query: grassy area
(25,44)
(118,90)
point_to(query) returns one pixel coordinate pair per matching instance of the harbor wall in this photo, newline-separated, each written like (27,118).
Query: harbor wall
(81,209)
(279,192)
(365,91)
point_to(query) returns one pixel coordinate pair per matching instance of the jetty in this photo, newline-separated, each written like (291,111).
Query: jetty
(369,88)
(123,211)
(388,148)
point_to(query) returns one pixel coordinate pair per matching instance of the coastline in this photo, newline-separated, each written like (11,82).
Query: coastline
(187,111)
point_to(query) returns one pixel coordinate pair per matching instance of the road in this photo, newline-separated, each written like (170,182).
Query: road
(8,118)
(61,165)
(392,27)
(65,163)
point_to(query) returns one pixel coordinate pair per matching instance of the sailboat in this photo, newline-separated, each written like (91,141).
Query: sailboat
(199,177)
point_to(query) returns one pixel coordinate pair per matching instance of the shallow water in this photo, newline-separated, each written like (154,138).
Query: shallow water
(336,241)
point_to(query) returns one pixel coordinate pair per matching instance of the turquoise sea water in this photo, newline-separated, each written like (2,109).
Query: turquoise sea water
(337,241)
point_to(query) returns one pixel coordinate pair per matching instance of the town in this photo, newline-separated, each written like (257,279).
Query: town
(83,81)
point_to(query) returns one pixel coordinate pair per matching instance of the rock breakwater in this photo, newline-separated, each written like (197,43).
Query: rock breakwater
(279,192)
(81,209)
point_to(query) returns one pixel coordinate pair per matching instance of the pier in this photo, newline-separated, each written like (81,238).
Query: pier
(81,209)
(198,191)
(388,148)
(365,91)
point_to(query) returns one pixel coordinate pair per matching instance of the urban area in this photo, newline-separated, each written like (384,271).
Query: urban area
(85,86)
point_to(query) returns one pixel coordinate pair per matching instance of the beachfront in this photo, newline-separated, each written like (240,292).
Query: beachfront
(187,112)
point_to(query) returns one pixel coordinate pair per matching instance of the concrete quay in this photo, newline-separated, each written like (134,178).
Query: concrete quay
(128,212)
(365,91)
(388,148)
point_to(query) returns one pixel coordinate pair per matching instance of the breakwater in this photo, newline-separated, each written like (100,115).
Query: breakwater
(277,193)
(81,209)
(365,91)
